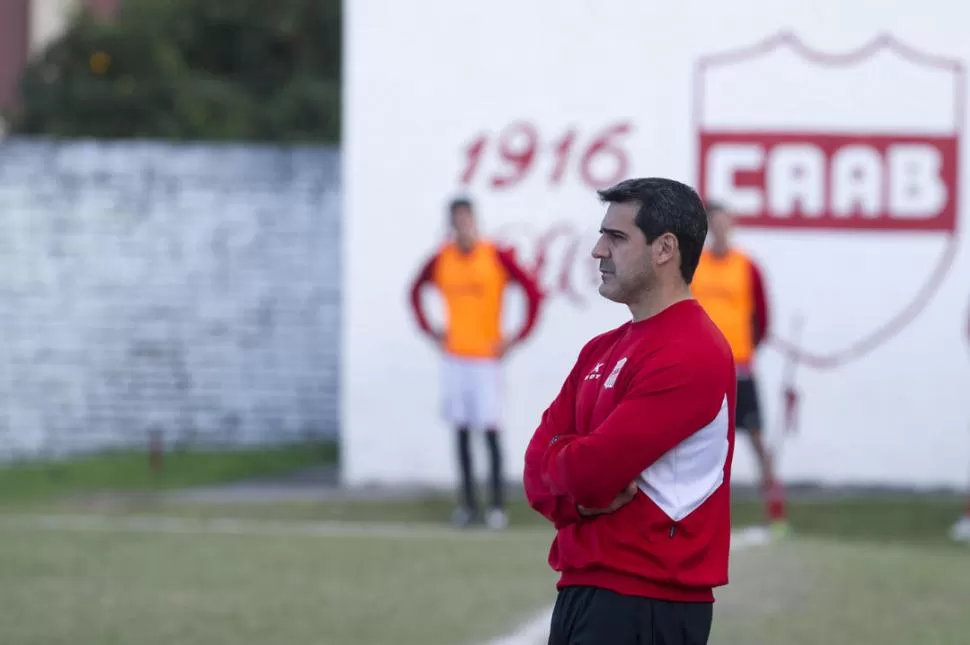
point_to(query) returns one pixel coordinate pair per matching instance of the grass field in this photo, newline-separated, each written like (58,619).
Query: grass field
(130,471)
(813,590)
(151,571)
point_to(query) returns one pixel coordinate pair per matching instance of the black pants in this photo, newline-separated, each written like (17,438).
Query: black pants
(747,408)
(589,616)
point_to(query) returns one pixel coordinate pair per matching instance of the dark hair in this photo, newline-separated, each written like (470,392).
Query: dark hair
(455,204)
(666,206)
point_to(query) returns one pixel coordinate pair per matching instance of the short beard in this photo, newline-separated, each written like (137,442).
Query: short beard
(626,294)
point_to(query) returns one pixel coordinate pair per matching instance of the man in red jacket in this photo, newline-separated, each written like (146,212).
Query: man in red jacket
(631,462)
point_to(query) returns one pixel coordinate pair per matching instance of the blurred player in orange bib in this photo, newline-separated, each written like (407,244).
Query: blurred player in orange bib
(471,274)
(729,286)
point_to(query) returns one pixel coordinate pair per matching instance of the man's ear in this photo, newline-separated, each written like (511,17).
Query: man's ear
(665,248)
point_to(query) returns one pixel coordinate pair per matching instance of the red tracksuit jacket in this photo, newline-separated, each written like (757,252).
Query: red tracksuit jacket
(651,401)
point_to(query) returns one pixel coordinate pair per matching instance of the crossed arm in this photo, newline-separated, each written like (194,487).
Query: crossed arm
(666,402)
(557,421)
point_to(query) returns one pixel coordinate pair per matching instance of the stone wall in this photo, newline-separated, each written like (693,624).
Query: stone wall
(188,289)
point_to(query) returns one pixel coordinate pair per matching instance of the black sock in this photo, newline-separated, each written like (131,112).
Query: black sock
(465,465)
(495,455)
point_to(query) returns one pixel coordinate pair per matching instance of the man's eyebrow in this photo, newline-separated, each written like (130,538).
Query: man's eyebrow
(612,231)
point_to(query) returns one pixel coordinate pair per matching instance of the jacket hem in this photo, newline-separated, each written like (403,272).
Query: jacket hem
(628,585)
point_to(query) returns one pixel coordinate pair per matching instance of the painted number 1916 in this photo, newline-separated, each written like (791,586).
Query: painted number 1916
(519,150)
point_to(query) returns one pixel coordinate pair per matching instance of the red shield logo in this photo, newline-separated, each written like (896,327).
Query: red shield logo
(842,171)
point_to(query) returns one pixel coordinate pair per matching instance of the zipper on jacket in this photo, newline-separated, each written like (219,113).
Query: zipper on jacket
(672,528)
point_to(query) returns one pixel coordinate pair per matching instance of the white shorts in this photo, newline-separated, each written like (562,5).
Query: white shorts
(472,392)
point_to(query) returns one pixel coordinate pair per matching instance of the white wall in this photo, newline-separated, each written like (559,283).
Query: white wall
(425,78)
(191,289)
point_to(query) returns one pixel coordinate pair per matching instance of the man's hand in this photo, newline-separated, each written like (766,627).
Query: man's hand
(621,500)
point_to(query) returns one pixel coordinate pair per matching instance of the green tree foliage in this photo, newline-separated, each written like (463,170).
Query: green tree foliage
(252,70)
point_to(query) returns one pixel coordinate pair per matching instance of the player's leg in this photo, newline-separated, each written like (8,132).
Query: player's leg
(467,509)
(496,474)
(749,420)
(773,490)
(486,413)
(457,413)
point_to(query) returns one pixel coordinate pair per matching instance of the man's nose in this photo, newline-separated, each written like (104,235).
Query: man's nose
(600,250)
